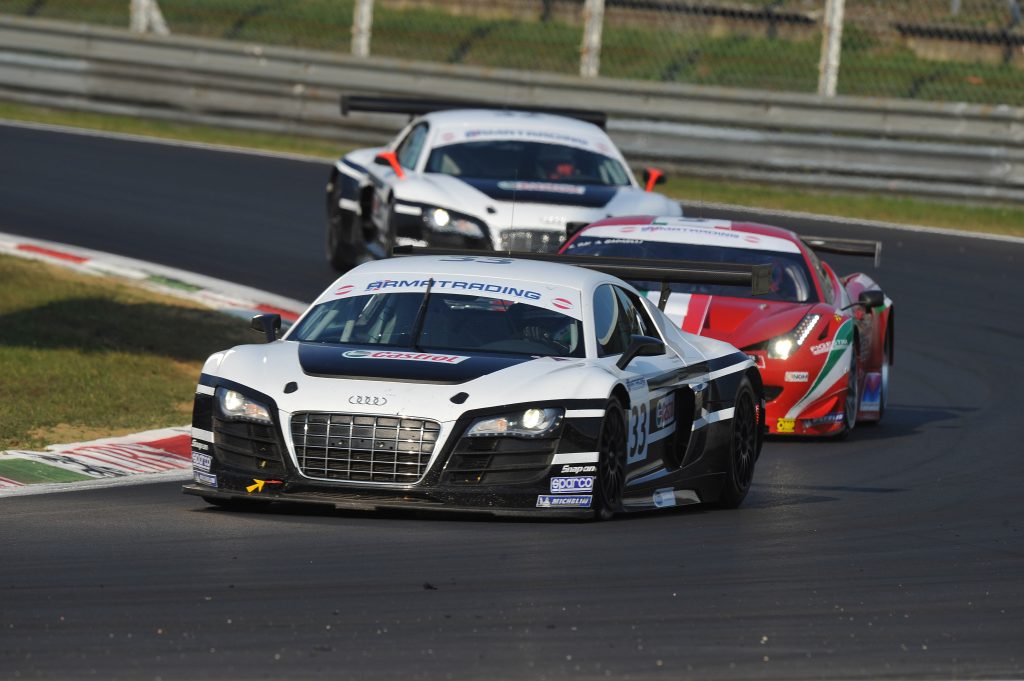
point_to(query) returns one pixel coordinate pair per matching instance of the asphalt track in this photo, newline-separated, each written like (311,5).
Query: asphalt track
(896,554)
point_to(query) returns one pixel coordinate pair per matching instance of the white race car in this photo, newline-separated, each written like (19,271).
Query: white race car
(481,383)
(479,178)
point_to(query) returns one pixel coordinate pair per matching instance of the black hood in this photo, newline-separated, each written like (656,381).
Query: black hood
(400,364)
(539,191)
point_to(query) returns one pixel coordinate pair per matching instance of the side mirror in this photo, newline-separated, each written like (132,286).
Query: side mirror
(871,299)
(390,158)
(267,324)
(641,346)
(652,176)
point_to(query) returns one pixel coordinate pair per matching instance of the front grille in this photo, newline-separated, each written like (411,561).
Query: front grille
(362,447)
(536,240)
(248,445)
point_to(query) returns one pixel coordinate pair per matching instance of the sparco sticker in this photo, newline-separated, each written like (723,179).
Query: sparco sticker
(201,462)
(572,485)
(405,356)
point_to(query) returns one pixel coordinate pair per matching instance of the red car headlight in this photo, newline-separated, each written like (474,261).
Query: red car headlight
(782,347)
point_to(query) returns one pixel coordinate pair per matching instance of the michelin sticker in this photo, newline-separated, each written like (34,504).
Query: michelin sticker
(551,501)
(205,478)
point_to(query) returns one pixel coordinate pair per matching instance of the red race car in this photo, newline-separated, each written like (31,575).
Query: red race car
(823,343)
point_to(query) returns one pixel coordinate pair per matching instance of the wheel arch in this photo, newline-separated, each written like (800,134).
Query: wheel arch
(619,393)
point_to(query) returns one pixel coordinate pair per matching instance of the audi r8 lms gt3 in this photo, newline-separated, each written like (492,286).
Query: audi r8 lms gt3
(476,382)
(823,343)
(478,178)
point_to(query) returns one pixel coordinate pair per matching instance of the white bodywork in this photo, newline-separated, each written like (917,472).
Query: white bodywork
(269,368)
(418,187)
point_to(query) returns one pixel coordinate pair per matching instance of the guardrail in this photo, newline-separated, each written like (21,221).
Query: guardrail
(940,149)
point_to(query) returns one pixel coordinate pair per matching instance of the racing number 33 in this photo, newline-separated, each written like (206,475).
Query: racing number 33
(637,448)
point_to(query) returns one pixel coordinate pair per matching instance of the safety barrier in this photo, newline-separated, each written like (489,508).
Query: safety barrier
(943,149)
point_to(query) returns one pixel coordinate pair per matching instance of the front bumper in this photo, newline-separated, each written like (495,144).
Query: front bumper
(499,476)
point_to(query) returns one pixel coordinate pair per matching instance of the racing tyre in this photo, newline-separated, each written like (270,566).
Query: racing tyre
(342,250)
(744,446)
(611,462)
(885,369)
(852,405)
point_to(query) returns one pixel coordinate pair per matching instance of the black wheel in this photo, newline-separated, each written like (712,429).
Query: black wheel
(343,249)
(338,244)
(852,403)
(744,446)
(611,462)
(387,234)
(883,398)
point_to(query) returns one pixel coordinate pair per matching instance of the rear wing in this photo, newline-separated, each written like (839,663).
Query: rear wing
(864,247)
(758,277)
(418,107)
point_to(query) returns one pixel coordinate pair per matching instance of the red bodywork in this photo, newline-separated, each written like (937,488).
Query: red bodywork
(807,390)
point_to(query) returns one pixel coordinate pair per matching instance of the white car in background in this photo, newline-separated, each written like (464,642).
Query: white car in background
(488,179)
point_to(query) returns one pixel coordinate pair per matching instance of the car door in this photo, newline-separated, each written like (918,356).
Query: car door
(656,385)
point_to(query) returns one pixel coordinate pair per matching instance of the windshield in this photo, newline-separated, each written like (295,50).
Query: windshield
(526,161)
(791,281)
(449,322)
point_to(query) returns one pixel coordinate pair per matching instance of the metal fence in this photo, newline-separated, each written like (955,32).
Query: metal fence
(939,50)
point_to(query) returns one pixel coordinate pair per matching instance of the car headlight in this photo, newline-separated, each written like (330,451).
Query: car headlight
(528,423)
(237,406)
(781,347)
(440,220)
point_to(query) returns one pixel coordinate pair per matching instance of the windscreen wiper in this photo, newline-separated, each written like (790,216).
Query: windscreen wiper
(421,316)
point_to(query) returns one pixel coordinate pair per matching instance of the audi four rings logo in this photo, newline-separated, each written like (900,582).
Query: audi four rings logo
(371,400)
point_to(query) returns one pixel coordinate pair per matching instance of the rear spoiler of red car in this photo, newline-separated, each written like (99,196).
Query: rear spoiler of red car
(758,277)
(864,247)
(418,107)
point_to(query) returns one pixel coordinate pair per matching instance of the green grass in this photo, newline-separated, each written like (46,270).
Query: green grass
(996,219)
(875,61)
(85,357)
(993,219)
